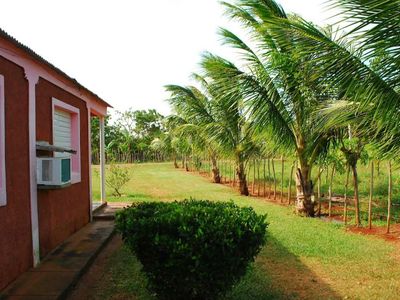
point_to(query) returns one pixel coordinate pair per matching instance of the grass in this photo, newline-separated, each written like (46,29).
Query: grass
(304,258)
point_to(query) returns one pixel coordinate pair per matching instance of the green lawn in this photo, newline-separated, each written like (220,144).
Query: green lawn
(304,258)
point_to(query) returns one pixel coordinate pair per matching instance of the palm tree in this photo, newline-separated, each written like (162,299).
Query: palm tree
(180,144)
(220,121)
(232,129)
(194,113)
(360,67)
(275,85)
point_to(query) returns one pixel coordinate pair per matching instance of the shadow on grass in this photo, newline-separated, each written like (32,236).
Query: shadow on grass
(278,274)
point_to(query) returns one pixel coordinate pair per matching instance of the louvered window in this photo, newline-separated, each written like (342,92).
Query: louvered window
(62,131)
(66,134)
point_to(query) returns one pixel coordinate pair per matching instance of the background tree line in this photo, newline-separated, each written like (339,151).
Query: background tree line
(131,136)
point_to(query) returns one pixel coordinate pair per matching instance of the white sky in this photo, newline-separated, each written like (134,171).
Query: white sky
(125,50)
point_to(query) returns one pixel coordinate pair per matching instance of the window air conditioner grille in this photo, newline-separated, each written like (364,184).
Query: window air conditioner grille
(47,170)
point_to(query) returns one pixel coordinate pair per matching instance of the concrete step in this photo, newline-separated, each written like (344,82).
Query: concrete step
(107,213)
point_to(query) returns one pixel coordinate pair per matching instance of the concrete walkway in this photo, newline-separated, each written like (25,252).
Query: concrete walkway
(61,269)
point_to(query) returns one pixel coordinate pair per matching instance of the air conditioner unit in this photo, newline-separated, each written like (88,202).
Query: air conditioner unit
(53,172)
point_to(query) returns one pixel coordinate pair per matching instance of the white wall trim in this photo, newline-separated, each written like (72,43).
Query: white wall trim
(3,188)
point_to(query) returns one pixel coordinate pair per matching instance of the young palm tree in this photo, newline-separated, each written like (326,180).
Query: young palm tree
(179,145)
(232,129)
(195,113)
(219,120)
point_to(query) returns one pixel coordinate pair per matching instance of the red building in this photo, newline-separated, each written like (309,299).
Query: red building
(45,165)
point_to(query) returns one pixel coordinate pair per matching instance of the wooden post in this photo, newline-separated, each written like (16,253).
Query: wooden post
(269,177)
(274,174)
(219,166)
(225,171)
(222,171)
(254,176)
(327,174)
(230,171)
(282,171)
(227,174)
(330,191)
(234,174)
(345,195)
(258,178)
(319,191)
(371,191)
(389,198)
(248,174)
(290,183)
(264,178)
(378,167)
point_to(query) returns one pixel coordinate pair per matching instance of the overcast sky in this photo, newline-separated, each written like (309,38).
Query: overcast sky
(126,51)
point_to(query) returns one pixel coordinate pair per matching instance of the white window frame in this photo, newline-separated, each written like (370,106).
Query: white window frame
(3,190)
(75,136)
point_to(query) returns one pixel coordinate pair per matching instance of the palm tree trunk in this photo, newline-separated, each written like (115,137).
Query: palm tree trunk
(356,197)
(305,191)
(175,163)
(241,174)
(215,170)
(186,164)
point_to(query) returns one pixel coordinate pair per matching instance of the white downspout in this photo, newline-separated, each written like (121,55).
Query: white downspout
(33,79)
(102,161)
(90,164)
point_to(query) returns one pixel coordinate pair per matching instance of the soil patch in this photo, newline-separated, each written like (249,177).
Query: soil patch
(86,287)
(393,236)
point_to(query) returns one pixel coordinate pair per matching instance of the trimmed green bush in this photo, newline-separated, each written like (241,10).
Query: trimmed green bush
(192,249)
